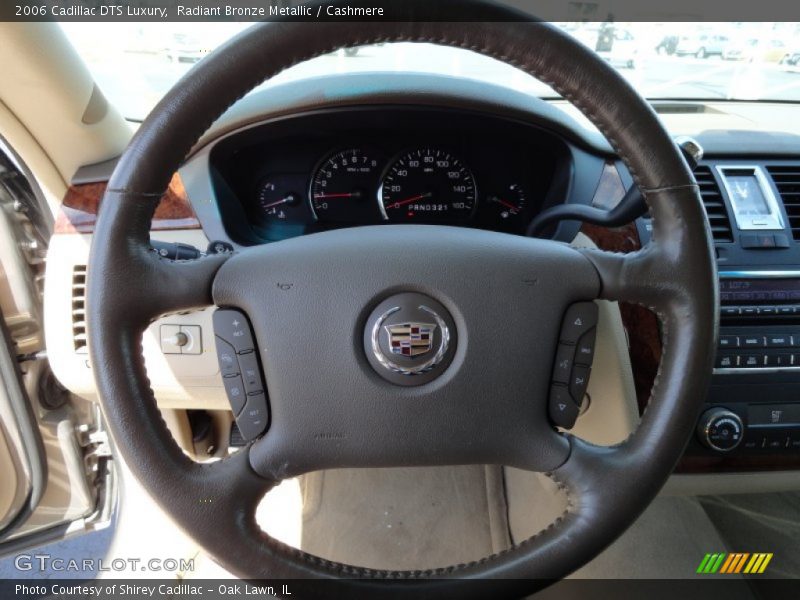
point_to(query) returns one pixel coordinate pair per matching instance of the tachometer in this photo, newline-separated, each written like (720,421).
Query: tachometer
(428,186)
(342,185)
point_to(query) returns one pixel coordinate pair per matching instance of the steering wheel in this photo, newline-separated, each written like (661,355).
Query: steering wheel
(330,406)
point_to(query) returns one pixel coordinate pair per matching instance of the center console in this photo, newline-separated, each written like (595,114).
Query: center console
(754,400)
(751,417)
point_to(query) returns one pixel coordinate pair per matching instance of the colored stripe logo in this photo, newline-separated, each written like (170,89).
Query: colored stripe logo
(734,562)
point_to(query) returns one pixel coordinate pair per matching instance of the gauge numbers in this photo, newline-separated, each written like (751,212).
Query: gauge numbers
(340,187)
(427,185)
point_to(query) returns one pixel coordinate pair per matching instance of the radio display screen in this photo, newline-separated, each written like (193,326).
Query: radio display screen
(759,291)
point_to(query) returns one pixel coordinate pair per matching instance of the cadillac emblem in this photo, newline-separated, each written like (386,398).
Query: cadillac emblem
(410,339)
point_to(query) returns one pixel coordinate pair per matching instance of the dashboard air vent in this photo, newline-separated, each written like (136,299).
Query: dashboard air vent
(716,211)
(79,308)
(787,180)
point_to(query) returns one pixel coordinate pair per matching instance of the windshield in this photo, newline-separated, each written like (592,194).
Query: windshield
(136,63)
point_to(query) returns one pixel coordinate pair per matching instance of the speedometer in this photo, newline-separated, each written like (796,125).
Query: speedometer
(427,185)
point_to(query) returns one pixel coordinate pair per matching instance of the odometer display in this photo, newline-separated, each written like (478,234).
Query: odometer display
(427,186)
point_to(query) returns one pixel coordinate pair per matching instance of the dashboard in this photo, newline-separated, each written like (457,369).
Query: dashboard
(374,149)
(393,165)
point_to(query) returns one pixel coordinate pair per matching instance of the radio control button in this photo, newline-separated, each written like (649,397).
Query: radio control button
(562,369)
(729,341)
(728,361)
(749,311)
(779,360)
(578,383)
(777,340)
(786,310)
(580,318)
(751,361)
(563,411)
(720,429)
(768,310)
(752,341)
(730,311)
(781,240)
(584,351)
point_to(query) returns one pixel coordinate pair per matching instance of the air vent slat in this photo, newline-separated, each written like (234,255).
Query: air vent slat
(787,180)
(79,309)
(716,211)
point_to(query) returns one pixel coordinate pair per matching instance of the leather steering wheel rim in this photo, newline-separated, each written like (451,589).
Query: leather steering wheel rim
(674,275)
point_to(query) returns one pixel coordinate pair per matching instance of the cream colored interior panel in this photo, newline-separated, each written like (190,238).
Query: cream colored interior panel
(24,145)
(47,88)
(8,473)
(612,413)
(178,380)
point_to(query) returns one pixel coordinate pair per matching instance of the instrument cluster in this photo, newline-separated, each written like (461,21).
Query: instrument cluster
(413,168)
(358,186)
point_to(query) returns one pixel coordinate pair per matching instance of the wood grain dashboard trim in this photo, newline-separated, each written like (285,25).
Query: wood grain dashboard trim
(644,339)
(79,210)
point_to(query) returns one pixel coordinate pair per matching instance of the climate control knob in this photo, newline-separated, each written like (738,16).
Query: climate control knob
(720,429)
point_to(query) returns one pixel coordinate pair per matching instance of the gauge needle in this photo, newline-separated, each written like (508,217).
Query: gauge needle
(285,200)
(508,205)
(410,200)
(342,195)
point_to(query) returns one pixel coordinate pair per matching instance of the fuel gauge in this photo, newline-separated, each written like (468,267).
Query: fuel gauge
(508,204)
(279,202)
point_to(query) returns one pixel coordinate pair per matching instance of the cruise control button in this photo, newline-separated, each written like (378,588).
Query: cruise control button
(564,360)
(252,421)
(584,350)
(236,394)
(578,383)
(231,326)
(563,411)
(226,356)
(251,373)
(580,318)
